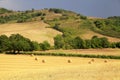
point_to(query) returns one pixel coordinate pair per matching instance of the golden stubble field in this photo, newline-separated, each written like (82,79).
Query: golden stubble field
(25,67)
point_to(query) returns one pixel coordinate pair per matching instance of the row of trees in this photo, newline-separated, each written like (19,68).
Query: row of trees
(16,43)
(62,42)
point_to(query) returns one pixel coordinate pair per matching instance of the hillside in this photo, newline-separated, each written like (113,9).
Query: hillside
(36,31)
(45,24)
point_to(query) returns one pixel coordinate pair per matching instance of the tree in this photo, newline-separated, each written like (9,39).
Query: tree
(95,42)
(104,42)
(118,44)
(35,45)
(45,45)
(83,17)
(4,43)
(78,43)
(19,43)
(88,44)
(99,24)
(58,42)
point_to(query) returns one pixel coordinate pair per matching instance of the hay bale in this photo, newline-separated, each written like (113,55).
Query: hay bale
(43,61)
(69,61)
(105,61)
(92,60)
(36,58)
(89,62)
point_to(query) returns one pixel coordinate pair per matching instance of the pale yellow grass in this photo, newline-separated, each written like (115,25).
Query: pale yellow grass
(89,34)
(35,31)
(23,67)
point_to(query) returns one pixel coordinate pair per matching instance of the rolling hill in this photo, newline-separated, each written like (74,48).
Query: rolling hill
(39,25)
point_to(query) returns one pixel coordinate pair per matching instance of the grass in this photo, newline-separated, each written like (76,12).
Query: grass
(24,67)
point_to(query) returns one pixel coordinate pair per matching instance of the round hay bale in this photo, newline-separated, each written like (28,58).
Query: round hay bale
(89,62)
(69,61)
(43,61)
(36,58)
(105,61)
(92,60)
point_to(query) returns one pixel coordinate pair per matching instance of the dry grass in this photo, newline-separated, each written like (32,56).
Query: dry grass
(35,31)
(23,67)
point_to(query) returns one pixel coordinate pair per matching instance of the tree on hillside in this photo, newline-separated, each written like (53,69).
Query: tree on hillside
(45,46)
(4,43)
(88,44)
(78,43)
(59,42)
(19,43)
(104,42)
(35,45)
(99,24)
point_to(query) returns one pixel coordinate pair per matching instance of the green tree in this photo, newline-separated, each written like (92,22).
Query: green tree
(99,24)
(104,42)
(83,17)
(4,43)
(59,42)
(88,44)
(35,45)
(19,43)
(79,43)
(95,42)
(45,45)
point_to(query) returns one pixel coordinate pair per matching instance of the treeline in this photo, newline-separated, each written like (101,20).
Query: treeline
(16,43)
(62,42)
(21,16)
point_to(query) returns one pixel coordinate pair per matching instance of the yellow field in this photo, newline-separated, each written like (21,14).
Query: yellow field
(35,31)
(24,67)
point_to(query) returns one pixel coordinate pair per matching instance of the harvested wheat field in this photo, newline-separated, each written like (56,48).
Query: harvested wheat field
(25,67)
(35,31)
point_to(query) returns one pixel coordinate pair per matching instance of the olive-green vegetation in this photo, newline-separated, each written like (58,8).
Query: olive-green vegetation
(62,42)
(109,26)
(16,43)
(20,16)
